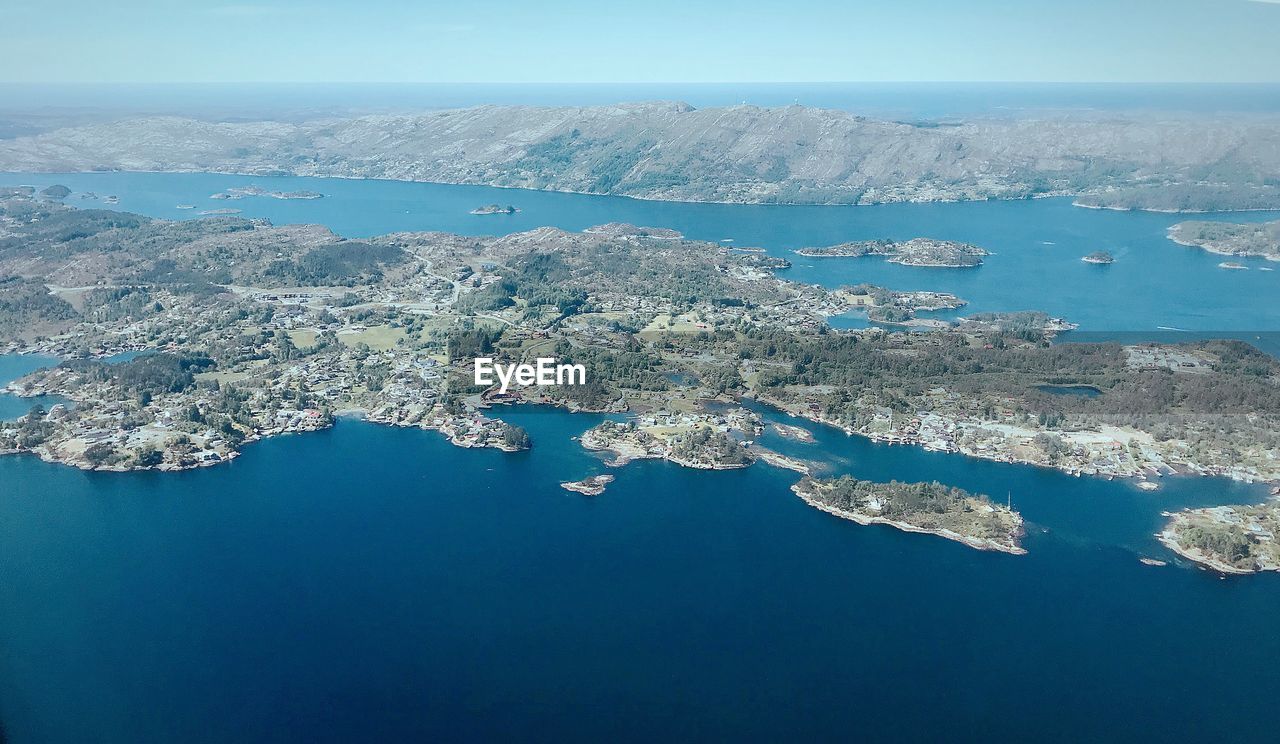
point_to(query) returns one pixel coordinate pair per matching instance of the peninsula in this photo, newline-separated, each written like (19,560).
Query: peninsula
(1229,239)
(1229,539)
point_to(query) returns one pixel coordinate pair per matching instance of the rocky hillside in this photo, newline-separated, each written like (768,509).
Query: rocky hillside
(673,151)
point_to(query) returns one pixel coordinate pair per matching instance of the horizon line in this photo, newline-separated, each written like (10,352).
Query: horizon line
(54,83)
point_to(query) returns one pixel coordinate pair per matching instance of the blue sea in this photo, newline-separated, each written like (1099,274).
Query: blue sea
(370,583)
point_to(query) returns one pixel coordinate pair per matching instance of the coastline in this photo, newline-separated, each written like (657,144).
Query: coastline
(1168,538)
(277,174)
(862,519)
(1141,474)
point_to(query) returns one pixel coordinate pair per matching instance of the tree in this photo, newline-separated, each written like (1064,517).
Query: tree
(516,437)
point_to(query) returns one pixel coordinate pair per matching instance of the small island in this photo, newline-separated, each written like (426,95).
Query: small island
(56,191)
(798,433)
(915,252)
(244,192)
(593,486)
(1233,266)
(495,209)
(1102,258)
(931,508)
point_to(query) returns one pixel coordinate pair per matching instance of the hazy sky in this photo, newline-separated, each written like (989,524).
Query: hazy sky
(641,41)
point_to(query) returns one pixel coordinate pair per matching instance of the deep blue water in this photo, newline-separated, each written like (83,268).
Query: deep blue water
(368,583)
(1154,285)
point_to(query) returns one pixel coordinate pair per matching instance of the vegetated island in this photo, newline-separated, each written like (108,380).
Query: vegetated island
(1230,539)
(495,209)
(1099,257)
(1230,239)
(56,191)
(593,486)
(931,508)
(244,192)
(914,252)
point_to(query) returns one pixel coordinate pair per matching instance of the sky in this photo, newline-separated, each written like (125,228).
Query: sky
(147,41)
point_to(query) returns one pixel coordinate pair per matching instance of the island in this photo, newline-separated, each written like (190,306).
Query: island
(244,192)
(1229,239)
(57,191)
(1233,266)
(914,252)
(1099,257)
(593,486)
(798,433)
(931,508)
(495,209)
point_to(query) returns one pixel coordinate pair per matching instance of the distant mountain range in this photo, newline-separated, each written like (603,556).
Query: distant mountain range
(746,154)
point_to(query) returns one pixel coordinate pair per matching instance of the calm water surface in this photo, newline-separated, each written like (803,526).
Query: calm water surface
(367,582)
(372,583)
